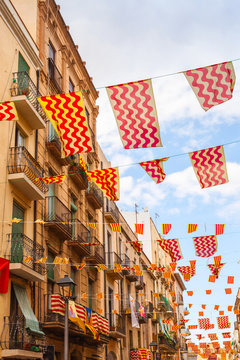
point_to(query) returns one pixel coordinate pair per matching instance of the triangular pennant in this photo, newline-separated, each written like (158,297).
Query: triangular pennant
(115,227)
(166,228)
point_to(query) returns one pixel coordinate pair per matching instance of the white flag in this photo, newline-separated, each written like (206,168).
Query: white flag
(134,318)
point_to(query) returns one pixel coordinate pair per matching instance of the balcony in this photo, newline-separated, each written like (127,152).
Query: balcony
(125,265)
(180,300)
(18,343)
(80,235)
(55,78)
(23,173)
(53,144)
(117,326)
(111,211)
(155,317)
(112,258)
(58,217)
(140,284)
(132,277)
(150,310)
(96,252)
(18,248)
(94,195)
(142,316)
(78,175)
(166,344)
(24,93)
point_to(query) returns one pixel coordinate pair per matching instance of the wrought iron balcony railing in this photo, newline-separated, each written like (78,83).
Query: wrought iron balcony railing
(15,336)
(23,85)
(22,249)
(96,252)
(95,195)
(58,215)
(80,235)
(111,207)
(165,341)
(21,161)
(116,323)
(112,258)
(55,76)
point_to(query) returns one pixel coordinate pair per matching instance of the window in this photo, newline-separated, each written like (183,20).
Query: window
(17,235)
(51,61)
(110,305)
(51,52)
(73,277)
(19,138)
(90,292)
(50,267)
(70,86)
(130,339)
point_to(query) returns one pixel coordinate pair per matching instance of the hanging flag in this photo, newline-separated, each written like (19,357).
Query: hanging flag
(236,311)
(99,295)
(230,307)
(135,113)
(139,229)
(134,318)
(42,260)
(154,168)
(116,227)
(213,336)
(209,166)
(52,179)
(216,267)
(84,296)
(228,291)
(101,267)
(212,278)
(205,246)
(219,229)
(221,312)
(91,225)
(223,322)
(117,268)
(203,306)
(226,335)
(66,113)
(208,292)
(4,275)
(27,259)
(192,327)
(204,323)
(212,85)
(167,275)
(108,181)
(81,266)
(216,307)
(230,279)
(40,221)
(57,260)
(8,111)
(190,305)
(192,228)
(173,266)
(73,316)
(171,247)
(15,221)
(166,228)
(189,292)
(200,313)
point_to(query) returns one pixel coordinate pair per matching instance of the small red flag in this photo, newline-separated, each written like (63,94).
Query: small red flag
(4,275)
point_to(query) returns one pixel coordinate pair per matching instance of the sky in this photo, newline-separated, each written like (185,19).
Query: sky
(128,40)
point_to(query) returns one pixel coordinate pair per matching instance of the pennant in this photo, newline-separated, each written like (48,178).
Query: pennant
(208,292)
(115,227)
(219,229)
(213,336)
(166,228)
(8,111)
(212,278)
(171,247)
(154,168)
(209,166)
(230,307)
(134,318)
(212,85)
(28,259)
(226,335)
(117,268)
(40,221)
(135,113)
(152,267)
(57,260)
(84,166)
(99,295)
(137,245)
(223,322)
(91,225)
(84,296)
(200,313)
(42,260)
(228,291)
(139,229)
(167,275)
(65,261)
(192,327)
(216,307)
(190,293)
(156,295)
(52,179)
(203,306)
(4,275)
(190,305)
(117,297)
(216,267)
(66,113)
(236,311)
(230,279)
(173,266)
(101,267)
(221,312)
(205,246)
(192,228)
(166,321)
(15,221)
(81,266)
(114,311)
(108,181)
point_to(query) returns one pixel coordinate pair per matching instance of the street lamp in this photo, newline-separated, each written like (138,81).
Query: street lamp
(66,286)
(153,347)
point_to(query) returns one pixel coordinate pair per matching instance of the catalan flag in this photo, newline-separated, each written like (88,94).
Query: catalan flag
(219,229)
(139,229)
(116,227)
(166,228)
(192,228)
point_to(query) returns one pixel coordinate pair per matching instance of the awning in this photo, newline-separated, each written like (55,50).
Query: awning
(32,323)
(163,328)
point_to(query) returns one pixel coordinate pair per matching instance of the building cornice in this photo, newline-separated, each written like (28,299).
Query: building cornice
(20,32)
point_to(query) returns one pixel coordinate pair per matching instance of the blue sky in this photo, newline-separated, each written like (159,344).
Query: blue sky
(131,40)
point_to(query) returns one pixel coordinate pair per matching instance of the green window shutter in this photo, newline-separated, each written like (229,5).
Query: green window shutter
(73,273)
(50,267)
(22,65)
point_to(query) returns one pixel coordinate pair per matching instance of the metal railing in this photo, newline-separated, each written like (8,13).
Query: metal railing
(94,190)
(55,75)
(53,136)
(126,260)
(97,251)
(15,336)
(111,207)
(21,161)
(22,249)
(163,340)
(58,213)
(112,258)
(116,323)
(77,170)
(80,235)
(23,85)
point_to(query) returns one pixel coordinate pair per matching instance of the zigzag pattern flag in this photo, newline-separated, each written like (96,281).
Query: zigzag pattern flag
(171,247)
(219,229)
(213,84)
(136,115)
(226,335)
(66,113)
(205,246)
(203,323)
(166,228)
(213,337)
(116,227)
(188,271)
(216,267)
(192,228)
(139,229)
(154,168)
(8,111)
(209,166)
(108,181)
(223,322)
(53,179)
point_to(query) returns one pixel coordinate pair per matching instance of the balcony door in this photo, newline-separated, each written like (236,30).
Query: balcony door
(51,200)
(17,237)
(110,306)
(23,76)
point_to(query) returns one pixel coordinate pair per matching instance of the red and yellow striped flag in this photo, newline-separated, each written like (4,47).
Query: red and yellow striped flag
(52,179)
(91,225)
(166,228)
(116,227)
(81,266)
(219,229)
(192,228)
(139,229)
